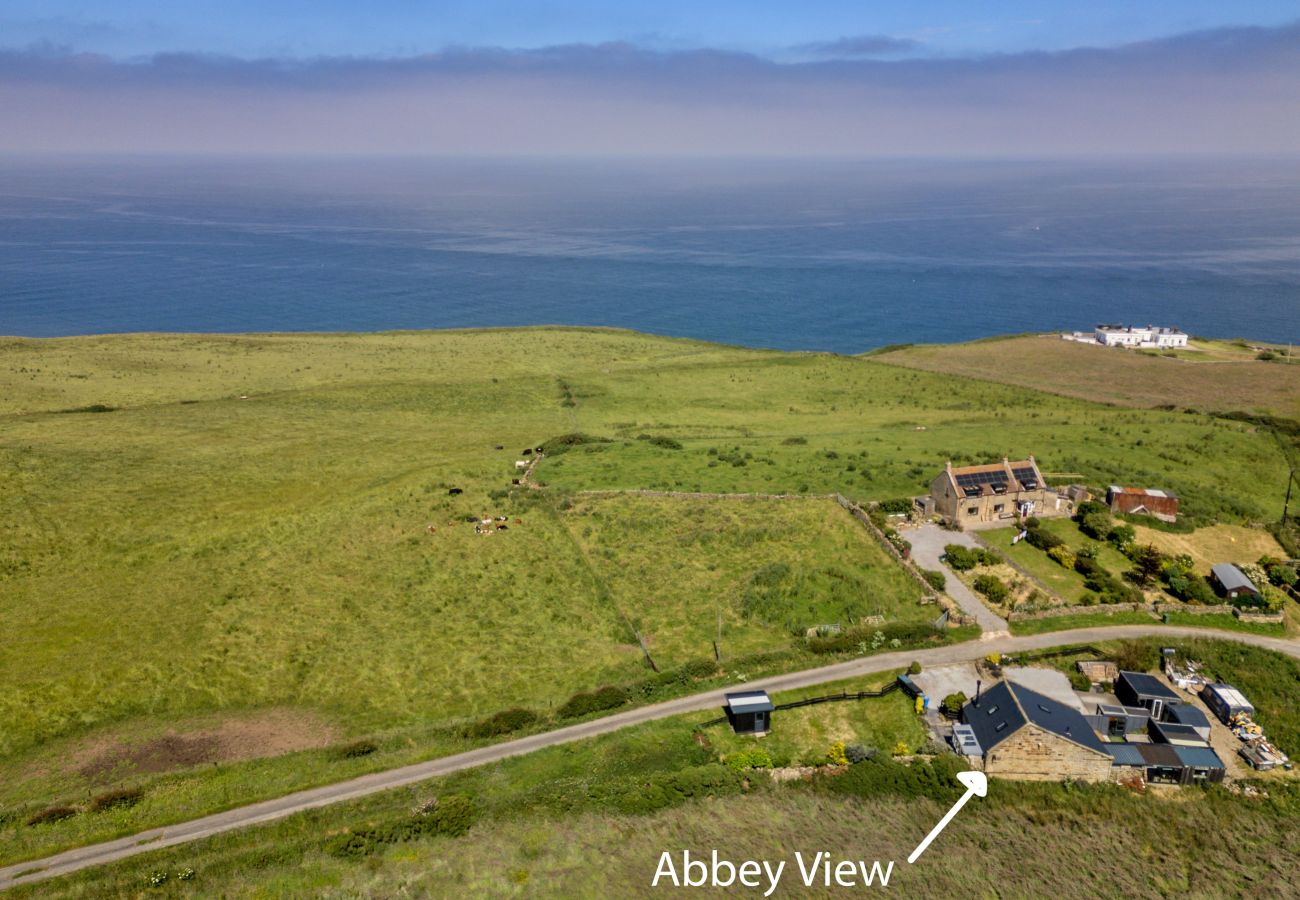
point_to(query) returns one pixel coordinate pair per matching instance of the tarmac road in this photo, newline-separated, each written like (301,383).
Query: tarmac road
(270,810)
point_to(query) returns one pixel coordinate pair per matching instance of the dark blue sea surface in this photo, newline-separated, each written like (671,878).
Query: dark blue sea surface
(832,256)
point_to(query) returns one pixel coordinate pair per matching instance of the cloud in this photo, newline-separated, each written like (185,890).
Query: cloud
(1223,91)
(863,45)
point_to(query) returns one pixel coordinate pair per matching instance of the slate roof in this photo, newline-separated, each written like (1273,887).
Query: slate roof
(1145,685)
(1173,733)
(1126,754)
(1006,707)
(1186,714)
(1199,756)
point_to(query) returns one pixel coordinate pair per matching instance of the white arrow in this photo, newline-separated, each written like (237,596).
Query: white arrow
(976,784)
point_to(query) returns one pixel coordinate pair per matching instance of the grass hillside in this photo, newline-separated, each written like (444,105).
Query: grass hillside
(1215,380)
(203,534)
(592,818)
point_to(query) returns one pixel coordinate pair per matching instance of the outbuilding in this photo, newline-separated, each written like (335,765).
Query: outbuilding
(1173,733)
(1225,701)
(1142,502)
(1189,715)
(750,712)
(1231,582)
(1148,691)
(1171,764)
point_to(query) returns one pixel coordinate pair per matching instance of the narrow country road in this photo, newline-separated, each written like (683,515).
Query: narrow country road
(928,542)
(270,810)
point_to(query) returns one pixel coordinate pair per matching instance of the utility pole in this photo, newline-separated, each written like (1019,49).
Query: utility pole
(1286,505)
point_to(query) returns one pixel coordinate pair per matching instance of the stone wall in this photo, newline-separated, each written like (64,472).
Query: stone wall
(1035,754)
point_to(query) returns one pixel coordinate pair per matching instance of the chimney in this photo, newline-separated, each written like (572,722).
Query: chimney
(978,684)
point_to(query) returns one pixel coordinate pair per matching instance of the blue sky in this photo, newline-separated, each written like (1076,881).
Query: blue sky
(819,78)
(304,28)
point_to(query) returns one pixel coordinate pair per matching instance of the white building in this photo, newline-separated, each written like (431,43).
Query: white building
(1149,337)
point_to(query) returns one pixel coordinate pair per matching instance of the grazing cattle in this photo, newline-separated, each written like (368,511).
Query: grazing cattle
(502,527)
(514,480)
(527,452)
(539,449)
(454,491)
(499,447)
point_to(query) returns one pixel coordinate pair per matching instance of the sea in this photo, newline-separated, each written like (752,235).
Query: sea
(841,256)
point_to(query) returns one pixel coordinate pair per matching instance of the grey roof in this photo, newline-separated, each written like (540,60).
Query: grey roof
(1229,696)
(749,702)
(1173,733)
(1186,714)
(1145,685)
(1126,754)
(1199,756)
(1007,707)
(1160,754)
(1232,578)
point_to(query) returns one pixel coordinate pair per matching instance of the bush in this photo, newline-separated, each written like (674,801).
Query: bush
(756,758)
(837,754)
(1043,539)
(963,559)
(504,722)
(120,798)
(935,579)
(52,814)
(794,441)
(1062,555)
(657,441)
(954,703)
(1137,656)
(356,749)
(1096,524)
(1282,575)
(992,587)
(898,506)
(879,775)
(914,668)
(565,442)
(1121,536)
(856,753)
(581,704)
(452,816)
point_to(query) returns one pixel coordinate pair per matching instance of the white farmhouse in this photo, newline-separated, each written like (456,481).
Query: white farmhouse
(1152,336)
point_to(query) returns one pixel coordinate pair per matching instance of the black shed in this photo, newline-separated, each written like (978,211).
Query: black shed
(1141,689)
(750,712)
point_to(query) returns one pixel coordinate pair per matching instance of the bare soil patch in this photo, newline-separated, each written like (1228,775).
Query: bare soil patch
(201,741)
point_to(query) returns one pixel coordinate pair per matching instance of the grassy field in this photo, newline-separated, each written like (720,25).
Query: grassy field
(225,555)
(553,823)
(1214,544)
(1218,380)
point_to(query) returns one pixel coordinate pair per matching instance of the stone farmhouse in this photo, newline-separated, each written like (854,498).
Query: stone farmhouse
(992,494)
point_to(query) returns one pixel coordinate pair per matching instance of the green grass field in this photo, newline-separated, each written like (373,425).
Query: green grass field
(1065,583)
(551,823)
(207,534)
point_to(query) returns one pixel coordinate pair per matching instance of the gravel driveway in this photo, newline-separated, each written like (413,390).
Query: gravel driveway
(928,541)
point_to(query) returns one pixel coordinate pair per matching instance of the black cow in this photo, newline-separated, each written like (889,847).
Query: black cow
(454,491)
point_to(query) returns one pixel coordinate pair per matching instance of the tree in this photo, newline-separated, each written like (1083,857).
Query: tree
(1148,563)
(953,703)
(1121,536)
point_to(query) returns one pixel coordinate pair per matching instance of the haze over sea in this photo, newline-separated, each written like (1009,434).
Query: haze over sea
(840,256)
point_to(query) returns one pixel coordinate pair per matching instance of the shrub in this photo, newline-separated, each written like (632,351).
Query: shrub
(954,703)
(837,755)
(1282,575)
(1062,555)
(992,587)
(935,579)
(935,779)
(503,722)
(581,704)
(1096,524)
(1043,539)
(695,669)
(1137,656)
(356,749)
(899,505)
(794,441)
(122,797)
(452,816)
(756,758)
(856,753)
(658,441)
(914,668)
(565,442)
(964,559)
(1121,536)
(52,814)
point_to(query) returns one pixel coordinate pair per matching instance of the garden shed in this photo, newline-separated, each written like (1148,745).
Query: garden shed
(749,712)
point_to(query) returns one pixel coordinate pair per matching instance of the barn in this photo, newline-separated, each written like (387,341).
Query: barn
(1143,501)
(1231,582)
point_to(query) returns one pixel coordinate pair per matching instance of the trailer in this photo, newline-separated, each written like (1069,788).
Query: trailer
(1225,701)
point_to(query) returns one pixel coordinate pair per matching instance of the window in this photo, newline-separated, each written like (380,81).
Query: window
(998,507)
(972,510)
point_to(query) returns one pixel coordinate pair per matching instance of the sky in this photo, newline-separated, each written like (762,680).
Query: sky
(837,78)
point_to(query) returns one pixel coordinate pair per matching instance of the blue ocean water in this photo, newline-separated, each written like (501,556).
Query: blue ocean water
(831,256)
